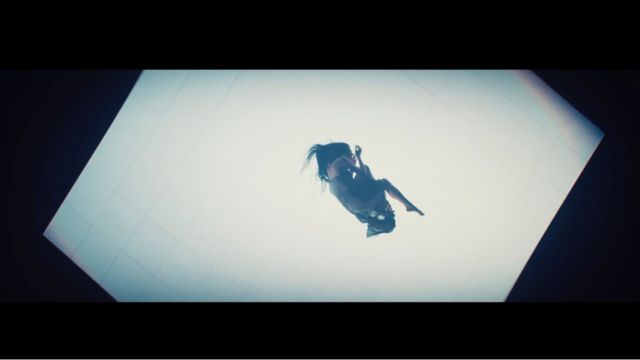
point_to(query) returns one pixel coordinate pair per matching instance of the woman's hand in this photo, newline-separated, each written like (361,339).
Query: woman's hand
(358,150)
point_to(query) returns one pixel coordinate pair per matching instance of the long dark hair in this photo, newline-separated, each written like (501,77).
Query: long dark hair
(325,155)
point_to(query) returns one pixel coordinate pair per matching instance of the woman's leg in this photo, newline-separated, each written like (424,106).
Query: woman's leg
(396,194)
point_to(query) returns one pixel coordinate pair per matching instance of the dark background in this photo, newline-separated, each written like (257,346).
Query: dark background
(52,121)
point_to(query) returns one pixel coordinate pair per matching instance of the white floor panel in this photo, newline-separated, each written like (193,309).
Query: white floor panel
(195,194)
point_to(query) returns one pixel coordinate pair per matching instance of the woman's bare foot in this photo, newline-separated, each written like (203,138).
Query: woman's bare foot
(413,208)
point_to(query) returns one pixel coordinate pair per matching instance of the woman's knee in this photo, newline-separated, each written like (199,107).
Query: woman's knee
(383,182)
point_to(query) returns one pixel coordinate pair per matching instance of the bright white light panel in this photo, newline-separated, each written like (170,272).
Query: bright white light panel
(195,194)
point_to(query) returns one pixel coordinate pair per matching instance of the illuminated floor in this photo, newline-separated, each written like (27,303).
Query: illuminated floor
(194,193)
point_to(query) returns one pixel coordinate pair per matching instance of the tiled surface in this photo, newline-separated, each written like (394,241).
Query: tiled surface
(156,291)
(194,193)
(150,245)
(69,231)
(127,280)
(95,254)
(118,220)
(516,239)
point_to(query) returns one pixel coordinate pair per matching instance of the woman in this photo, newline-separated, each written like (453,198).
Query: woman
(356,188)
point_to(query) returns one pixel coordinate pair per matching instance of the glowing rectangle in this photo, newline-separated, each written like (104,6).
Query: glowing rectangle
(194,193)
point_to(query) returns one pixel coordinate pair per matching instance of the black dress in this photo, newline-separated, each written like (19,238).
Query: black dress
(362,188)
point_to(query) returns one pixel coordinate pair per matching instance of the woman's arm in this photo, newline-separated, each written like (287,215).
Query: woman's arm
(396,194)
(363,167)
